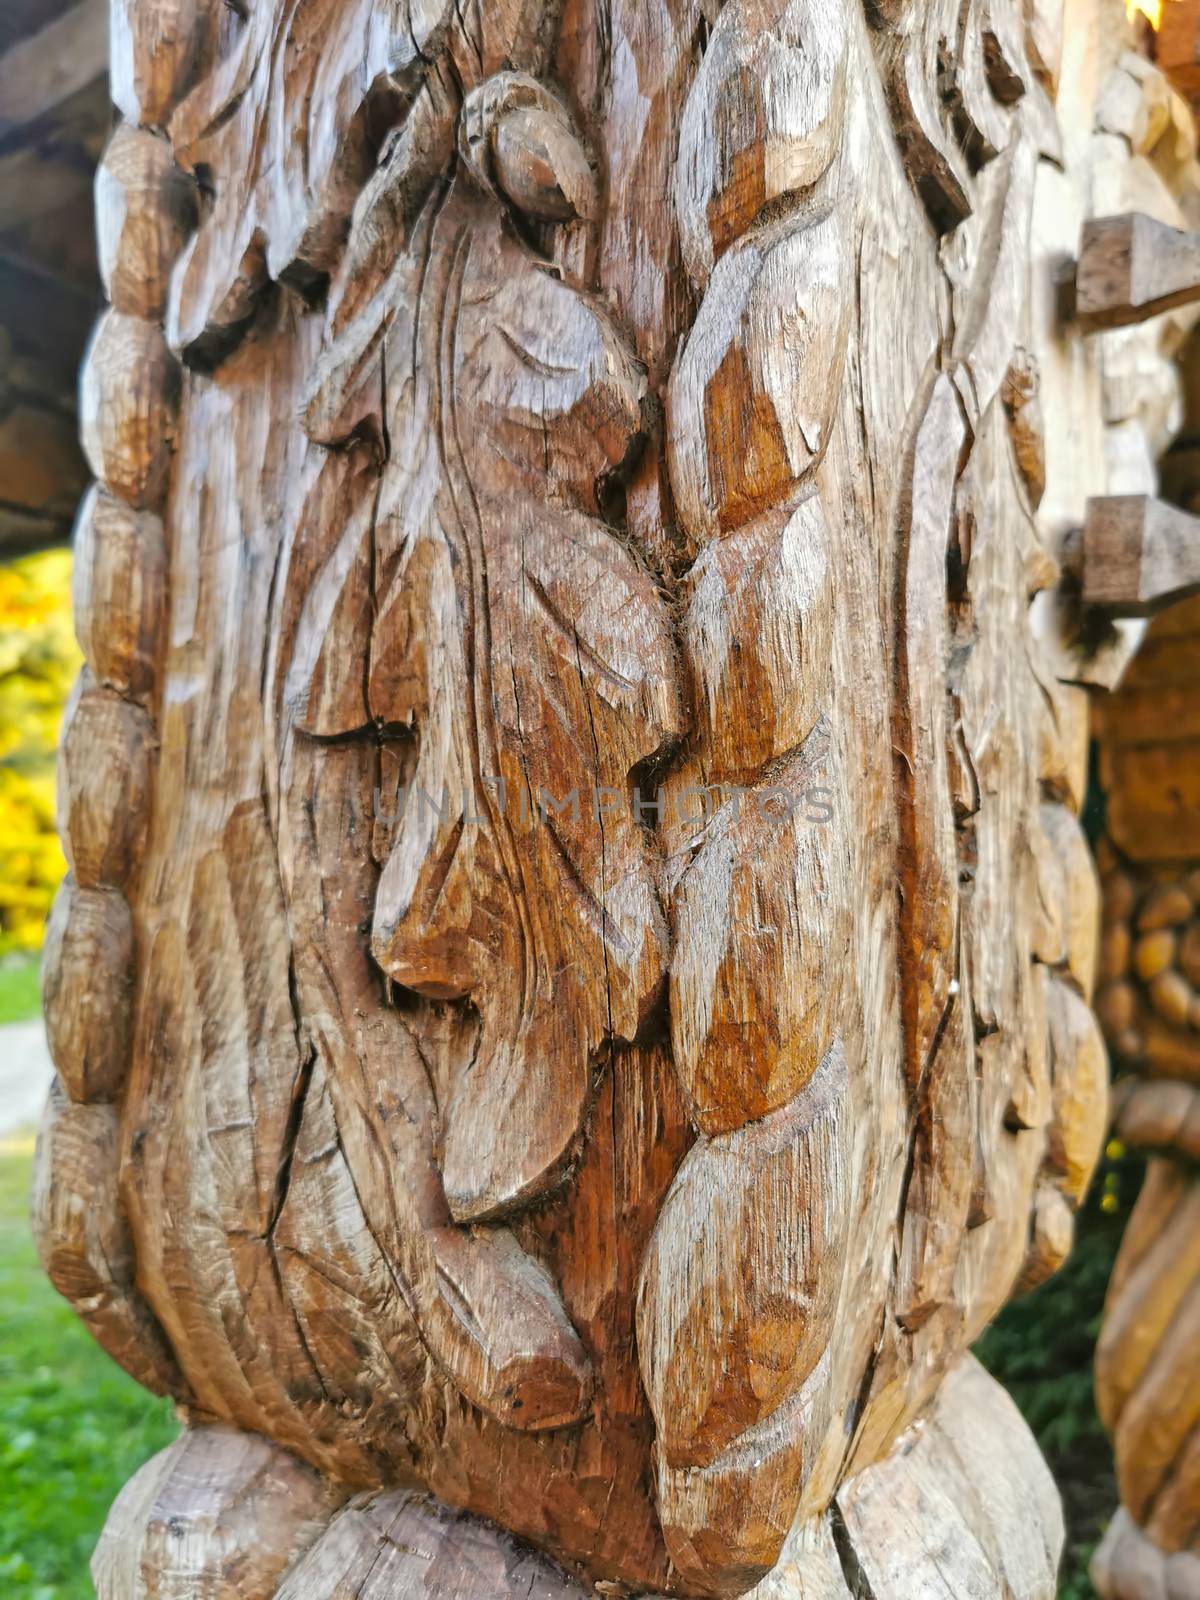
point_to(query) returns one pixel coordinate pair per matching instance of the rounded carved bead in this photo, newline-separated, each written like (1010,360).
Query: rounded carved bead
(145,209)
(104,769)
(1154,954)
(119,578)
(128,398)
(87,989)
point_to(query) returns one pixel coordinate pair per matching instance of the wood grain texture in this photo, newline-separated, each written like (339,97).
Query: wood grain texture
(103,785)
(599,737)
(1139,555)
(127,400)
(87,990)
(145,209)
(911,1532)
(218,1515)
(399,1544)
(1133,267)
(118,577)
(84,1241)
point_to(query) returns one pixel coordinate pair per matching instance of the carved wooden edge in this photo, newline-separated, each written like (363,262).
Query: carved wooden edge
(129,390)
(225,1512)
(1146,1391)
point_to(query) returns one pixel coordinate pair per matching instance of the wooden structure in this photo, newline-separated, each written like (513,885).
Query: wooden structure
(571,1002)
(1147,1360)
(54,120)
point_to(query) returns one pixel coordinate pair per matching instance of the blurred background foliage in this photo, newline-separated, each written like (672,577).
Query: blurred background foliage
(39,660)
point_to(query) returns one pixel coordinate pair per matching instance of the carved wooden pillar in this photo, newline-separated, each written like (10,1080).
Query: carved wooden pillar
(572,1003)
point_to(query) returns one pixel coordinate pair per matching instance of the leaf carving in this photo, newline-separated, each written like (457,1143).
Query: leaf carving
(529,651)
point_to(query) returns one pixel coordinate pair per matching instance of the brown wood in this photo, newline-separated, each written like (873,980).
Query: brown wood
(1177,47)
(583,722)
(1149,1002)
(1133,267)
(1139,555)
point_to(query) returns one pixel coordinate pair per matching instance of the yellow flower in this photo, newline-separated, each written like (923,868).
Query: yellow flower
(39,660)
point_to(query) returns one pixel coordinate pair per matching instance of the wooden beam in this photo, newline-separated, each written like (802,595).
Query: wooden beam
(42,71)
(1177,50)
(32,186)
(1139,555)
(1131,268)
(47,320)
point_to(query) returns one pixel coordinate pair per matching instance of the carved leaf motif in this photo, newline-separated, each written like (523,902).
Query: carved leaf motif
(530,653)
(383,75)
(728,1335)
(751,397)
(763,121)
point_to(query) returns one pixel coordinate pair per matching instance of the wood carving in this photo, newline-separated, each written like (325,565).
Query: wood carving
(573,797)
(1149,1001)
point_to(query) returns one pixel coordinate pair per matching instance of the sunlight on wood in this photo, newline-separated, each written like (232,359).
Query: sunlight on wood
(1146,8)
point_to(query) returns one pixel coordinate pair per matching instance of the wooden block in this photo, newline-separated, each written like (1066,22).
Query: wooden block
(158,51)
(1080,1095)
(913,1534)
(84,1242)
(1139,555)
(1130,268)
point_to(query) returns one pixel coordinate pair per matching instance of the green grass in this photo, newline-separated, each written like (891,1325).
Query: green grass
(20,988)
(73,1426)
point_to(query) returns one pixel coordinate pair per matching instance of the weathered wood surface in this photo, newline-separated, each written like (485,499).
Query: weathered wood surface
(963,1509)
(597,808)
(1134,267)
(1149,1002)
(1139,555)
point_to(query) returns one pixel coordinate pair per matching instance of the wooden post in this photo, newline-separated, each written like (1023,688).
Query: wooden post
(572,1000)
(1149,1001)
